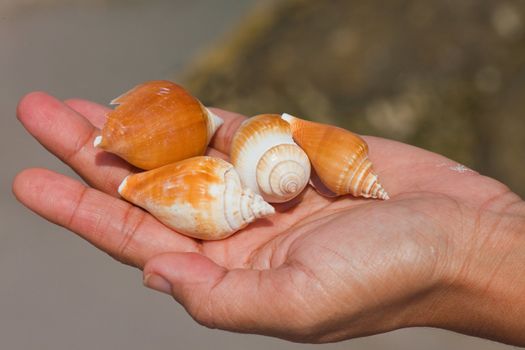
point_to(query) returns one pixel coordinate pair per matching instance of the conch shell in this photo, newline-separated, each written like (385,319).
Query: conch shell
(339,157)
(268,160)
(157,123)
(201,197)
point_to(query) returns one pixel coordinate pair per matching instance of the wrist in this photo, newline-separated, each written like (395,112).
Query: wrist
(483,291)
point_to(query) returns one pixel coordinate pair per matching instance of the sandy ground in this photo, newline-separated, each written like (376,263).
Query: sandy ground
(57,292)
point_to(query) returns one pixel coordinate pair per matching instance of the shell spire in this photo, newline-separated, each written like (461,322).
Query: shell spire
(339,157)
(253,206)
(157,123)
(269,162)
(201,197)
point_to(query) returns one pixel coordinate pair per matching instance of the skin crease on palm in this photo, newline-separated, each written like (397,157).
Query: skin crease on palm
(320,269)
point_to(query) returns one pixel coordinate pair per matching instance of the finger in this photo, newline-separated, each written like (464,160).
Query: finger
(70,136)
(240,300)
(95,113)
(212,152)
(122,230)
(223,137)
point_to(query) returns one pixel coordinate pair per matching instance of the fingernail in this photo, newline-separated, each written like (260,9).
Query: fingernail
(157,283)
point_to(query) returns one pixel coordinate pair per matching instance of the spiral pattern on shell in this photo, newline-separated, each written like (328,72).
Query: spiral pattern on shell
(281,172)
(339,157)
(267,159)
(201,197)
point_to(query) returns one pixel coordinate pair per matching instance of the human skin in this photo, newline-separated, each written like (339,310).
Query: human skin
(447,250)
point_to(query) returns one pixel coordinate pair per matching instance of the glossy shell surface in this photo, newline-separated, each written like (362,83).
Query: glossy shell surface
(201,197)
(339,157)
(157,123)
(268,160)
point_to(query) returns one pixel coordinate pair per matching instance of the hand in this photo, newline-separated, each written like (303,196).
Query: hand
(319,270)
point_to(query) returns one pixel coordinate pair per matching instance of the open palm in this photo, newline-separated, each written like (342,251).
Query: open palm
(320,269)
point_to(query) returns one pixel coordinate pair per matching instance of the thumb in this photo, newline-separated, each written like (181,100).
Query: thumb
(241,300)
(173,273)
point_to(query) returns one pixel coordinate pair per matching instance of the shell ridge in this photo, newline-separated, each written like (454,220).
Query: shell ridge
(233,201)
(257,144)
(280,165)
(345,168)
(360,172)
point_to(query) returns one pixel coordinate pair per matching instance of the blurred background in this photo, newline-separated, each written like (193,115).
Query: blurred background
(445,75)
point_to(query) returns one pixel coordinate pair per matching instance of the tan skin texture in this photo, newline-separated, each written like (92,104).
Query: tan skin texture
(447,250)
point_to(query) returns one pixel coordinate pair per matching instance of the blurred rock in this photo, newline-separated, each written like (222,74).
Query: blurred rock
(448,76)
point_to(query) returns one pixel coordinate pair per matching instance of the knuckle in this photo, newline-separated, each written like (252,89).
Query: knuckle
(83,141)
(133,219)
(75,212)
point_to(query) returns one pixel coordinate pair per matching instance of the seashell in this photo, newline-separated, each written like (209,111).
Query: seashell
(338,156)
(268,160)
(157,123)
(201,197)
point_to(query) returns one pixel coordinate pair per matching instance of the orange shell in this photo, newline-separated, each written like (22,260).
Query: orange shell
(339,157)
(157,123)
(201,197)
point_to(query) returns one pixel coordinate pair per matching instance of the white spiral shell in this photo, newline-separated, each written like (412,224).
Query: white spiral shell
(268,160)
(201,197)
